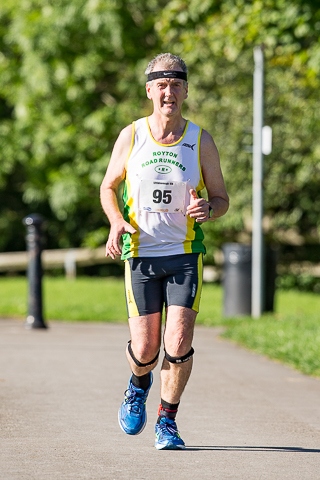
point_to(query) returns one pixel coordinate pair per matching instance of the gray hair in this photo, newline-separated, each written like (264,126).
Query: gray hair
(168,60)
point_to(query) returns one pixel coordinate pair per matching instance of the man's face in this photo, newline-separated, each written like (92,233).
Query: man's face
(167,94)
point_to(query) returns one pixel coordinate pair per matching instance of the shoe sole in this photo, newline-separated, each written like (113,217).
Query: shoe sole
(129,433)
(170,447)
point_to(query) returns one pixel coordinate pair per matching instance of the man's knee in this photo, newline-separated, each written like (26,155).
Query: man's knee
(137,361)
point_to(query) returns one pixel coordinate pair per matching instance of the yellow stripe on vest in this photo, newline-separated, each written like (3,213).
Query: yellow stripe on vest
(196,302)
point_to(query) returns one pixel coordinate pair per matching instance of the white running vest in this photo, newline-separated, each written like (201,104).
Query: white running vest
(156,193)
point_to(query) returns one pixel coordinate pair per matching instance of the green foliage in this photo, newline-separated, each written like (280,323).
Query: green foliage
(72,75)
(217,41)
(68,84)
(303,281)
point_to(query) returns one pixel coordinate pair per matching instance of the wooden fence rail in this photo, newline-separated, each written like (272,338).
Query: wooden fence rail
(68,259)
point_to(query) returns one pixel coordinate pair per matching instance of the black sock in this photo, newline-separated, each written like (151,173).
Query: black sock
(142,382)
(168,410)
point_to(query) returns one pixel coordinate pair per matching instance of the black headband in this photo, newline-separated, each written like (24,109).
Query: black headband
(167,74)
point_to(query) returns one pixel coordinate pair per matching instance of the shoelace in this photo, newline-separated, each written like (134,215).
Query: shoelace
(133,398)
(168,426)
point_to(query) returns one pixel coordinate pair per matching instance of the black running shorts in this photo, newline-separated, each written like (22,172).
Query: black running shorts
(152,282)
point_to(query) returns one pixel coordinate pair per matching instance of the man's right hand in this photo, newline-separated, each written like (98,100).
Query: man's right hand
(118,228)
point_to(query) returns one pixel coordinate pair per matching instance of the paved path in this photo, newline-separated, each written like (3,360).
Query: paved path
(242,416)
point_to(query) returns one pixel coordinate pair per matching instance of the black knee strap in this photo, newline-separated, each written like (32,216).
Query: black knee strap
(182,359)
(139,364)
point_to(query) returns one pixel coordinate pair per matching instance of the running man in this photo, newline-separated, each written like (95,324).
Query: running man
(162,162)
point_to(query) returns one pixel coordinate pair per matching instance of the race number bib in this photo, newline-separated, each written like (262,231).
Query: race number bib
(162,196)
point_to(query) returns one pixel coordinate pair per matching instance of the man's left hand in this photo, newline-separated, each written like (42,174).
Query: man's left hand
(198,207)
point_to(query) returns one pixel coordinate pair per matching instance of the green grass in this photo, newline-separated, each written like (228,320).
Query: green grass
(88,299)
(290,335)
(294,340)
(83,299)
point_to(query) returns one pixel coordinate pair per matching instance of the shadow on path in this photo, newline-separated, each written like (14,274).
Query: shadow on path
(242,448)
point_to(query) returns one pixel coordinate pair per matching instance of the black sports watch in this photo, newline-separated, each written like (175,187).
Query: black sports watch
(210,210)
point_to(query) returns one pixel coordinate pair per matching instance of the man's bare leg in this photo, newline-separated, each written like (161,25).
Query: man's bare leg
(145,334)
(178,338)
(142,354)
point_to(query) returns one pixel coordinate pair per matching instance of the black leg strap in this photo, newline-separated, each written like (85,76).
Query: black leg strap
(139,364)
(182,359)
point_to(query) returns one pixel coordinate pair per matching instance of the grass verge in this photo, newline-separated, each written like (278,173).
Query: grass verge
(291,339)
(88,299)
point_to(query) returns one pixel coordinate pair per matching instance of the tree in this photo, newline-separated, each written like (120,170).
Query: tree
(68,74)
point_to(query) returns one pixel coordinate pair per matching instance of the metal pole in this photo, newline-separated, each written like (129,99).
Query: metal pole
(34,240)
(257,200)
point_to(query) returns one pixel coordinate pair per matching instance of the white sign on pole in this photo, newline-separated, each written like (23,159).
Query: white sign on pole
(266,140)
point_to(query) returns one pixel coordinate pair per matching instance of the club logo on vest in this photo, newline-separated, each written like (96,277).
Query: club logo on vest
(163,169)
(188,145)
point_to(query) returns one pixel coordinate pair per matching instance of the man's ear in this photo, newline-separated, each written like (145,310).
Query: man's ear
(148,91)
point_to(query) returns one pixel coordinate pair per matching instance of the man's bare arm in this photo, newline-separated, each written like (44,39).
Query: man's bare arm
(109,189)
(218,199)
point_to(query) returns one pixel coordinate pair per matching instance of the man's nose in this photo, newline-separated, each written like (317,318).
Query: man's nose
(168,90)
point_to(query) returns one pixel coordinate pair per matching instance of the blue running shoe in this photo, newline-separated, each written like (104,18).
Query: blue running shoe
(132,413)
(167,435)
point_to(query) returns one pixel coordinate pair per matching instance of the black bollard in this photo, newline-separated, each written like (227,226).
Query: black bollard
(34,240)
